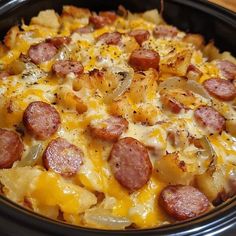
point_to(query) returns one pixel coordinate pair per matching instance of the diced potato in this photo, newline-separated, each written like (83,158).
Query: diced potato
(130,44)
(47,18)
(172,170)
(70,101)
(3,50)
(52,190)
(18,181)
(231,126)
(211,185)
(105,81)
(10,38)
(195,39)
(176,63)
(146,114)
(121,108)
(143,85)
(75,11)
(211,51)
(152,16)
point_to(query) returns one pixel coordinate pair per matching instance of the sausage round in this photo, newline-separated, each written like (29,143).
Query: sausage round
(42,52)
(140,35)
(63,68)
(130,163)
(62,157)
(171,104)
(99,21)
(210,118)
(227,69)
(110,15)
(11,148)
(109,129)
(4,74)
(143,59)
(220,88)
(164,31)
(84,30)
(59,41)
(41,120)
(110,38)
(183,202)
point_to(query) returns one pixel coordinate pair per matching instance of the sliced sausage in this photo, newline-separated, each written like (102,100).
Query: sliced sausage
(110,15)
(164,31)
(193,72)
(85,30)
(171,104)
(140,35)
(4,74)
(62,157)
(130,163)
(143,59)
(227,69)
(109,129)
(59,41)
(63,68)
(210,118)
(11,148)
(183,202)
(99,21)
(220,88)
(42,52)
(41,120)
(110,38)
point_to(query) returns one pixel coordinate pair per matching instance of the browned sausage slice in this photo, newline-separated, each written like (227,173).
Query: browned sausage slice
(99,21)
(42,52)
(110,38)
(109,129)
(193,72)
(183,202)
(210,118)
(62,157)
(41,120)
(220,88)
(140,35)
(63,68)
(227,69)
(130,163)
(164,31)
(171,104)
(85,30)
(143,59)
(59,41)
(110,15)
(4,74)
(11,148)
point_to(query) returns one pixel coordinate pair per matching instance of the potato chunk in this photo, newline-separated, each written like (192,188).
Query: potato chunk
(47,18)
(172,170)
(176,63)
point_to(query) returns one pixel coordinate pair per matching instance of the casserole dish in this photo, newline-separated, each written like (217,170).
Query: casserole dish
(210,34)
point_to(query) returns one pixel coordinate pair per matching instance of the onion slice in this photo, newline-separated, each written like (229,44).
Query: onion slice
(197,88)
(173,83)
(103,218)
(209,151)
(32,156)
(126,81)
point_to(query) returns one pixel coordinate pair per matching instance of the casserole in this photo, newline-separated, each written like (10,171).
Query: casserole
(47,7)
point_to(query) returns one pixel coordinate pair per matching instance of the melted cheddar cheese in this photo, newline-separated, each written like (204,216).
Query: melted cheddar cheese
(86,99)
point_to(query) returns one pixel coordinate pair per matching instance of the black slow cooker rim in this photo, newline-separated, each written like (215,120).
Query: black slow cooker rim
(217,220)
